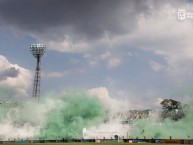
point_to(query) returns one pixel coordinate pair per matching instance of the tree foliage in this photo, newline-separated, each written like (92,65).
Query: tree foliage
(172,109)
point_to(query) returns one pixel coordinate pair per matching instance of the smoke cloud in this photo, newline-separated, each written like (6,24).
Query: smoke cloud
(67,115)
(154,127)
(53,117)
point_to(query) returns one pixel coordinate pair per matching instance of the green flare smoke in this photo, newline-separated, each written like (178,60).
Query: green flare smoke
(53,117)
(73,113)
(64,116)
(153,127)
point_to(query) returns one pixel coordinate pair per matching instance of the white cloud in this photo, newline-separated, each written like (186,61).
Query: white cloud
(114,62)
(166,36)
(114,104)
(156,66)
(149,25)
(19,83)
(105,55)
(67,46)
(74,60)
(62,41)
(101,92)
(110,59)
(160,32)
(54,74)
(154,28)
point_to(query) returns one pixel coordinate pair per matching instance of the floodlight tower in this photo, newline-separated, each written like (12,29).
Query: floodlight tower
(37,51)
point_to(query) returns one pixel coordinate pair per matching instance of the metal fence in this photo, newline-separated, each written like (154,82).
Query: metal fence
(158,141)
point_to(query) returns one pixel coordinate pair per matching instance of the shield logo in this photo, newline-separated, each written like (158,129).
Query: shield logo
(181,14)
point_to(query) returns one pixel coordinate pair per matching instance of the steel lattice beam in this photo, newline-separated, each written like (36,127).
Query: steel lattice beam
(37,51)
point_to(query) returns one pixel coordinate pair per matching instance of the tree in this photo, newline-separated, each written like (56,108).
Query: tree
(172,109)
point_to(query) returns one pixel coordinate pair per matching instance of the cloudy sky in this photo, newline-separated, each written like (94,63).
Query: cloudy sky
(132,50)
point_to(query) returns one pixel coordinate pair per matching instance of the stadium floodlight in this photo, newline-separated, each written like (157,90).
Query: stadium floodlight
(37,51)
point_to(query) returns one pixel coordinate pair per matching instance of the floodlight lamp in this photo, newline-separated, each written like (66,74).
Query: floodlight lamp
(37,50)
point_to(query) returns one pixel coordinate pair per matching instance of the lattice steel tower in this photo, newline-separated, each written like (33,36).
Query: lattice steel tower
(37,50)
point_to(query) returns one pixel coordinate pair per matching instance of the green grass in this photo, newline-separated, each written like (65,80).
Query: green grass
(110,143)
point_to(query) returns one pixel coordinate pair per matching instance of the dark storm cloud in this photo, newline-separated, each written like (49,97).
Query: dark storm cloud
(90,18)
(10,72)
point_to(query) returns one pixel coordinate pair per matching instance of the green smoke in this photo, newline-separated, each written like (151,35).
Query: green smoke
(153,127)
(73,112)
(55,116)
(64,116)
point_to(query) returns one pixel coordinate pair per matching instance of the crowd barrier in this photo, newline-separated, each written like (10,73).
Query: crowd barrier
(158,141)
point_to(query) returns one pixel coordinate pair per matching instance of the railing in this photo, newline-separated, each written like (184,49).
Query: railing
(169,141)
